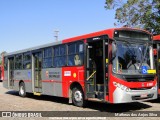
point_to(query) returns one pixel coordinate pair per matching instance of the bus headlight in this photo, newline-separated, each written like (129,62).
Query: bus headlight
(122,87)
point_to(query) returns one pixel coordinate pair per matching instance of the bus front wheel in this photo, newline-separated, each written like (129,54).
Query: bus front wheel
(22,90)
(78,97)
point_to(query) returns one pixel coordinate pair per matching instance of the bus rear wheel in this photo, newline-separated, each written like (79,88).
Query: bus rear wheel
(22,90)
(78,97)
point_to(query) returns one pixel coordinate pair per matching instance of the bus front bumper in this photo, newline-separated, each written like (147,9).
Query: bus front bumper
(121,96)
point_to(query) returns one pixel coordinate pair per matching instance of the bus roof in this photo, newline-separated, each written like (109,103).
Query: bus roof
(33,48)
(156,37)
(109,32)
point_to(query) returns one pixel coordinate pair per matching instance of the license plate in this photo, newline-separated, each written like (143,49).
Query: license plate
(144,95)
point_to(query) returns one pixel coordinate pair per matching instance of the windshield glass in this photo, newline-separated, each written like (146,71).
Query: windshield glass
(133,58)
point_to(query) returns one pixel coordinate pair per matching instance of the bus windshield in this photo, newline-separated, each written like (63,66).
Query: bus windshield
(133,58)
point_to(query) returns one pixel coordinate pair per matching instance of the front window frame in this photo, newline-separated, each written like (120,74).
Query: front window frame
(134,43)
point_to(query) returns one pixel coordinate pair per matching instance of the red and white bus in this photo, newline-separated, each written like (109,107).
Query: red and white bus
(156,46)
(114,65)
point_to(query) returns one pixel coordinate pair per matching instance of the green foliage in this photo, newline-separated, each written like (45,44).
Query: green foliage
(143,14)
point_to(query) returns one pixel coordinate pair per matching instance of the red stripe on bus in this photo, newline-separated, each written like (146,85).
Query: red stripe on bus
(57,81)
(23,80)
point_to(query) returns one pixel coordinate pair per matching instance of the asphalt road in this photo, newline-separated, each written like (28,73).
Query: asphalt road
(11,101)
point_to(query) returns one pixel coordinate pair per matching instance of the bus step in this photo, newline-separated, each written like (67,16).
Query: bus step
(91,88)
(94,99)
(100,87)
(90,94)
(99,94)
(37,93)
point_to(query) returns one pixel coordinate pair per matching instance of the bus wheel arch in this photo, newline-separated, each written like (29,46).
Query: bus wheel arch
(76,94)
(22,88)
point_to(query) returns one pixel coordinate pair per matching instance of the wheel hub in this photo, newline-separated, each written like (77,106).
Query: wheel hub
(78,96)
(21,90)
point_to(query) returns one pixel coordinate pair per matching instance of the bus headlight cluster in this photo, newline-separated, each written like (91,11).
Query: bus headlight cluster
(122,87)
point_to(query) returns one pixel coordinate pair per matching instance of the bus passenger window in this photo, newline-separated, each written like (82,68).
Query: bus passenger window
(27,61)
(59,59)
(75,54)
(80,52)
(47,59)
(77,60)
(18,62)
(71,54)
(5,63)
(62,58)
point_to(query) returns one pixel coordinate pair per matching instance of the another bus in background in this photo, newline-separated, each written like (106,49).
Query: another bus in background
(1,73)
(156,49)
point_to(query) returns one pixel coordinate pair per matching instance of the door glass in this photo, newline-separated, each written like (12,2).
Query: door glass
(11,72)
(38,69)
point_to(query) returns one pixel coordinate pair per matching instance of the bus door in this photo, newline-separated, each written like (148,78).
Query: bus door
(37,71)
(11,72)
(97,67)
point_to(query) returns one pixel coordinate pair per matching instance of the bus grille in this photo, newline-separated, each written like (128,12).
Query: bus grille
(139,79)
(146,88)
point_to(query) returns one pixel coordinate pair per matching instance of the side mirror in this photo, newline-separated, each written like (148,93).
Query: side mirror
(114,50)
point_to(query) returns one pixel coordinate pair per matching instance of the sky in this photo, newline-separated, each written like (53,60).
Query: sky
(29,23)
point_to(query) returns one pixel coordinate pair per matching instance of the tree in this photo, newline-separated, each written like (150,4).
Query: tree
(143,14)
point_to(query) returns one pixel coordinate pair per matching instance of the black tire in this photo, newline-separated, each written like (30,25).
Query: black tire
(78,97)
(22,89)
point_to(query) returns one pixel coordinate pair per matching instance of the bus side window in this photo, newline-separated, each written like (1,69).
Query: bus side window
(77,60)
(18,62)
(80,53)
(59,59)
(27,61)
(75,54)
(62,58)
(5,63)
(56,54)
(71,54)
(47,58)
